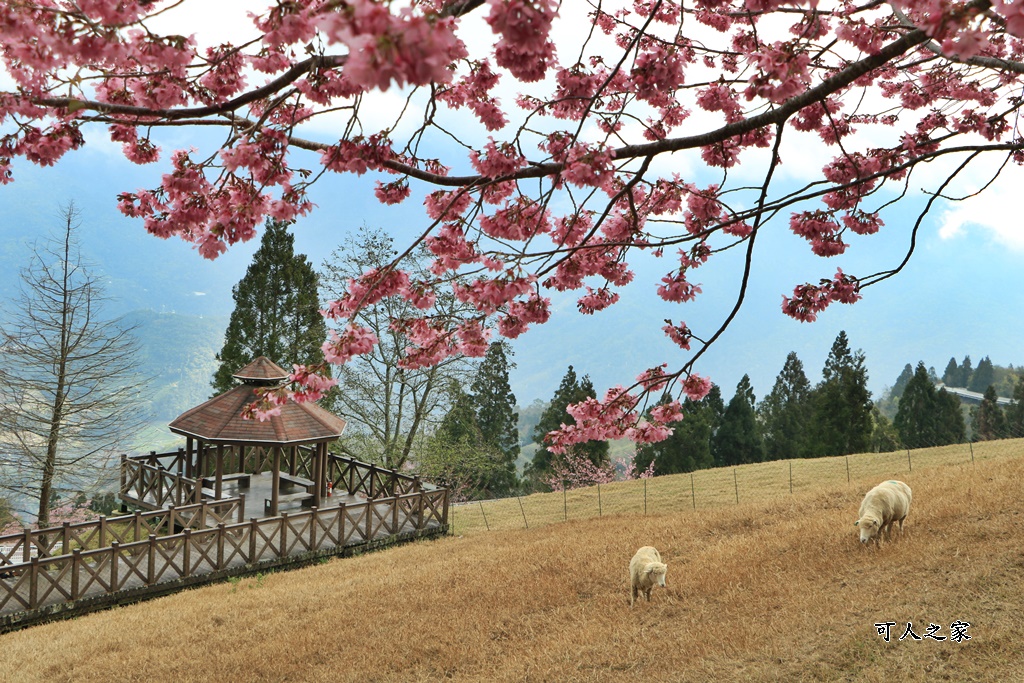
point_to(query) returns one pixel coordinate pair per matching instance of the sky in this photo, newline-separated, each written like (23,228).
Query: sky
(957,297)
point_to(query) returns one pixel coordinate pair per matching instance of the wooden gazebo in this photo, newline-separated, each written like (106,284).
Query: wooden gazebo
(217,427)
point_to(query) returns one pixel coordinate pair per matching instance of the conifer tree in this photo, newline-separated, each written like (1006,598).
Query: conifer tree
(988,421)
(785,412)
(457,455)
(570,390)
(918,409)
(966,372)
(842,422)
(927,417)
(1015,411)
(983,376)
(738,440)
(951,376)
(951,427)
(494,408)
(277,310)
(689,446)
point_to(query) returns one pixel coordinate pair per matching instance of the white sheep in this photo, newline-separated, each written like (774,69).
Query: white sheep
(646,571)
(886,503)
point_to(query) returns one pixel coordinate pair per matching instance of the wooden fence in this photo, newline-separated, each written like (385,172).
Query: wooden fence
(159,480)
(141,563)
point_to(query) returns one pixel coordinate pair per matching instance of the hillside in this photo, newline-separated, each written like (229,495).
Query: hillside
(771,590)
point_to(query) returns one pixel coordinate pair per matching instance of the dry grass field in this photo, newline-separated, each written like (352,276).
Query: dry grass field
(775,588)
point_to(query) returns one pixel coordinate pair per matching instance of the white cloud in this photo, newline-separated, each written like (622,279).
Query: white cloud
(994,213)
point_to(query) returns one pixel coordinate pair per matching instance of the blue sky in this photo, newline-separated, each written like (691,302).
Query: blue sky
(959,295)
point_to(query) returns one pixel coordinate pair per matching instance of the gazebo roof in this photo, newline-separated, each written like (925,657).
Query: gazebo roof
(219,420)
(262,371)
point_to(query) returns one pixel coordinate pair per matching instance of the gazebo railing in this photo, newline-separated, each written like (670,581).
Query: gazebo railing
(157,477)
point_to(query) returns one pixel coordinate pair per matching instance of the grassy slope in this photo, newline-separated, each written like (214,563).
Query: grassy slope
(772,589)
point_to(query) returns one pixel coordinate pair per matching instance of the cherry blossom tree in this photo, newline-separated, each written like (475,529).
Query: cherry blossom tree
(544,140)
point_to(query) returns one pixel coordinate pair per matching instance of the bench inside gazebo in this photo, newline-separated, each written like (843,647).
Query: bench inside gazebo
(276,463)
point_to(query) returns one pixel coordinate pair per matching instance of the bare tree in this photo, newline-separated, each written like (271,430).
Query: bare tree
(387,405)
(69,387)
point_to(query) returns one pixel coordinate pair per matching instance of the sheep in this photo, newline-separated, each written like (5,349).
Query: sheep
(646,571)
(886,503)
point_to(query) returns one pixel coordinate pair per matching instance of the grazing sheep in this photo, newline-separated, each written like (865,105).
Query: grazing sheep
(646,571)
(886,503)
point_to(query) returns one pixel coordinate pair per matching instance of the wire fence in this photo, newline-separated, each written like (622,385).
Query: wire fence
(714,487)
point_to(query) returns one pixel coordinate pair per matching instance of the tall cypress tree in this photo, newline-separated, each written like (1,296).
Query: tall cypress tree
(689,446)
(1015,411)
(966,371)
(983,376)
(927,417)
(785,412)
(277,310)
(494,406)
(989,422)
(842,422)
(951,376)
(570,390)
(738,440)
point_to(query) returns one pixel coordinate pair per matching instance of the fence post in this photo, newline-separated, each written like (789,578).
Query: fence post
(137,522)
(971,444)
(736,483)
(151,560)
(241,508)
(252,540)
(284,534)
(220,545)
(186,552)
(565,503)
(523,510)
(26,546)
(103,531)
(76,566)
(488,526)
(910,465)
(33,585)
(341,525)
(790,477)
(369,521)
(598,500)
(419,508)
(115,554)
(847,469)
(312,527)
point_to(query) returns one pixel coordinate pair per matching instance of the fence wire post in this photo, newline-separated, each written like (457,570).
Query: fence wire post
(598,500)
(847,469)
(909,464)
(488,526)
(736,482)
(645,497)
(971,444)
(693,492)
(790,477)
(565,503)
(521,509)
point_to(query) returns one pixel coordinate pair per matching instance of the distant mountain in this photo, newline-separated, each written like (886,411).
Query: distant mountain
(179,356)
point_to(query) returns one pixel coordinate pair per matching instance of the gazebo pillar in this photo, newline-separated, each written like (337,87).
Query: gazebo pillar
(219,485)
(274,490)
(189,464)
(318,475)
